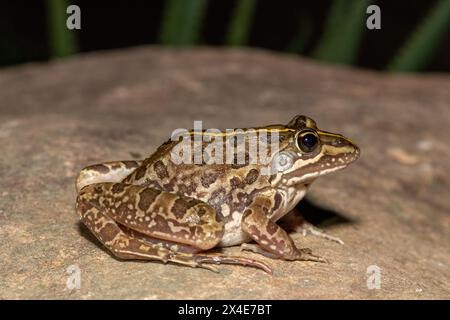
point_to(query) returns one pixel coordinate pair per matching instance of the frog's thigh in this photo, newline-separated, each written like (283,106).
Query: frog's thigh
(157,214)
(124,246)
(114,171)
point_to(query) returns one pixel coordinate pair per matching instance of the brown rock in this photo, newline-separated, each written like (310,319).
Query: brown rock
(58,117)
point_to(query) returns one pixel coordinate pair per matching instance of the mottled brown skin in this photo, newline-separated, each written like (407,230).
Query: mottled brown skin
(156,209)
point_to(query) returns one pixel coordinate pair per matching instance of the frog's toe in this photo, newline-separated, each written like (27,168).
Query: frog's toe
(307,228)
(306,251)
(307,255)
(202,260)
(208,267)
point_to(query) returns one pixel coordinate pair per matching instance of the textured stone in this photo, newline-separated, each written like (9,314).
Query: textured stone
(391,208)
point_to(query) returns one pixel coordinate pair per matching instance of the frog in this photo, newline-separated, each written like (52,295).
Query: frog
(158,209)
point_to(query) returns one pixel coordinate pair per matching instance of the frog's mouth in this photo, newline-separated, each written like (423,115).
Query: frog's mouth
(293,178)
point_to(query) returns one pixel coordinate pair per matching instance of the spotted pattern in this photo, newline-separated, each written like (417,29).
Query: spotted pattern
(100,168)
(251,176)
(146,198)
(160,170)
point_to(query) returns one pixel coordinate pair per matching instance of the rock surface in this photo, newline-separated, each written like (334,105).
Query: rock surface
(391,208)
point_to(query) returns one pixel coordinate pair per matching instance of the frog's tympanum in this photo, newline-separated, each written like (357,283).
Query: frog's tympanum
(163,210)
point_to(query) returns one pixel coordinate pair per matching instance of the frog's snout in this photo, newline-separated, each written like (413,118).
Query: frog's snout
(339,148)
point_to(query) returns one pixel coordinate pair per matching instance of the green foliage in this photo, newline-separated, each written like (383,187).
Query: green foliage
(418,49)
(339,43)
(343,32)
(62,40)
(181,22)
(303,36)
(241,22)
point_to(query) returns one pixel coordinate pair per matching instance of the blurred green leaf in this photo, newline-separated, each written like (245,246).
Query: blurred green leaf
(343,32)
(62,41)
(303,36)
(419,48)
(241,21)
(181,22)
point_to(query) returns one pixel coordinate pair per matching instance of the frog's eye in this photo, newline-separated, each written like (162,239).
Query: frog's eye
(307,141)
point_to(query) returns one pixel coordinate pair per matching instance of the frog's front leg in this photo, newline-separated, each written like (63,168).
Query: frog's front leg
(273,241)
(112,171)
(110,210)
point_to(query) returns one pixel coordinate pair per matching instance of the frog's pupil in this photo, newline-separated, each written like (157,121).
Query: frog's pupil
(309,141)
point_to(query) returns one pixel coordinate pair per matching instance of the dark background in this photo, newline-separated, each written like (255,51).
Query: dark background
(24,28)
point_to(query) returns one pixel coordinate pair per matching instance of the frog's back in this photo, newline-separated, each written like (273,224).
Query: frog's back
(226,187)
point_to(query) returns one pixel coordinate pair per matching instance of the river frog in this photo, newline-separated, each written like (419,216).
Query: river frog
(164,210)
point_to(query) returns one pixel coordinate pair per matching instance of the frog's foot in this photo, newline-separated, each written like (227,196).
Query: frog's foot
(307,255)
(294,222)
(224,259)
(304,254)
(307,228)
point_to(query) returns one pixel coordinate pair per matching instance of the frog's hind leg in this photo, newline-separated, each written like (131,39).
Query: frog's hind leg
(123,246)
(197,256)
(109,209)
(113,171)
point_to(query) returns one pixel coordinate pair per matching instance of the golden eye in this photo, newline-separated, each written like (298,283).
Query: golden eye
(307,141)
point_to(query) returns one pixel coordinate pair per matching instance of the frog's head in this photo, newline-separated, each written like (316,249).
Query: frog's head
(307,152)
